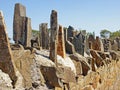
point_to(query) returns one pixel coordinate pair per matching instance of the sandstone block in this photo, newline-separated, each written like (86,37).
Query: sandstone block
(98,59)
(61,43)
(51,77)
(85,66)
(6,59)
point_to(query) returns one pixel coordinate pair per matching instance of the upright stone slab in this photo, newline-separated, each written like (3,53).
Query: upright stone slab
(78,42)
(26,31)
(61,43)
(19,11)
(86,44)
(68,45)
(65,34)
(21,26)
(97,44)
(86,48)
(90,45)
(106,44)
(44,34)
(70,32)
(53,36)
(91,41)
(102,47)
(6,58)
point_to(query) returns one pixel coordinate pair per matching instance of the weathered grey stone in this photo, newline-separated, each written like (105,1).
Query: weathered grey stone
(106,44)
(78,43)
(70,32)
(26,32)
(44,34)
(65,34)
(68,45)
(61,43)
(54,36)
(6,59)
(21,26)
(86,45)
(19,11)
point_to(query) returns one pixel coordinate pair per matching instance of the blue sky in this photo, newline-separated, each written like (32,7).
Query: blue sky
(91,15)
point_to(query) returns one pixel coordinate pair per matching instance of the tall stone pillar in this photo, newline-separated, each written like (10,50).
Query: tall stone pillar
(19,11)
(6,59)
(21,26)
(44,34)
(28,32)
(53,36)
(65,34)
(61,43)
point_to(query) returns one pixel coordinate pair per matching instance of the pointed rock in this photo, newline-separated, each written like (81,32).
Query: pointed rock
(6,59)
(61,43)
(54,36)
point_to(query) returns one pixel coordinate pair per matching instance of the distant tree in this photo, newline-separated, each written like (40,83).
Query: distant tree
(105,33)
(115,34)
(49,30)
(35,32)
